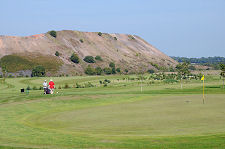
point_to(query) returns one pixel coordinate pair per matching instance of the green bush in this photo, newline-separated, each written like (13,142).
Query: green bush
(89,59)
(81,40)
(117,69)
(53,33)
(66,86)
(99,34)
(126,70)
(98,70)
(107,70)
(89,70)
(38,71)
(28,88)
(98,58)
(112,65)
(56,53)
(151,71)
(74,58)
(35,88)
(115,38)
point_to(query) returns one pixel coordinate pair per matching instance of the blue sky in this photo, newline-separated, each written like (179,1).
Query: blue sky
(191,28)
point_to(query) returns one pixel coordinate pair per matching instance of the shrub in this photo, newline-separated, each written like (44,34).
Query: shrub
(107,70)
(117,69)
(66,86)
(74,58)
(78,85)
(113,70)
(99,34)
(34,88)
(86,85)
(89,59)
(115,38)
(112,65)
(191,67)
(56,53)
(151,71)
(89,70)
(126,70)
(40,88)
(59,87)
(28,88)
(81,40)
(53,33)
(98,58)
(98,70)
(38,71)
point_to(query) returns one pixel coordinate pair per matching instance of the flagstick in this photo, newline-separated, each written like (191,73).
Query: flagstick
(203,92)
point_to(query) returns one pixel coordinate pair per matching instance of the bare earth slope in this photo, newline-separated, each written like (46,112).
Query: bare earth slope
(127,51)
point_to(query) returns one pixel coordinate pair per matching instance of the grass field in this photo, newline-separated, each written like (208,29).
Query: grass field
(116,116)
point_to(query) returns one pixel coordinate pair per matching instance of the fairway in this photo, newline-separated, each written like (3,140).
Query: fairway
(116,116)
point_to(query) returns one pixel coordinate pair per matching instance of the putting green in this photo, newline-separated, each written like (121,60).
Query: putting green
(171,115)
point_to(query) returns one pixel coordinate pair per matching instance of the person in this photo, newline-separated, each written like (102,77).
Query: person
(45,85)
(51,86)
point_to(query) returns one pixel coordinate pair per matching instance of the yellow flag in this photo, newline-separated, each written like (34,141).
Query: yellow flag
(203,77)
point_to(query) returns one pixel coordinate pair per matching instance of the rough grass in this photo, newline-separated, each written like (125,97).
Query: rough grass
(117,116)
(15,63)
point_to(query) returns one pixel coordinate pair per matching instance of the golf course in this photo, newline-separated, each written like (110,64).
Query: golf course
(118,111)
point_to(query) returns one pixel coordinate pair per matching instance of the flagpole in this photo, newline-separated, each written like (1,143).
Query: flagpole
(203,92)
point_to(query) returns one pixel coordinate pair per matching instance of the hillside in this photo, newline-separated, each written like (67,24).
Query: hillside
(126,51)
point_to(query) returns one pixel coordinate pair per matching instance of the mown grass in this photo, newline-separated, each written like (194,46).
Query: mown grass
(116,116)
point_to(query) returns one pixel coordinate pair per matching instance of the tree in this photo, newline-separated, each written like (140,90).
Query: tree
(113,67)
(98,70)
(74,58)
(56,53)
(38,71)
(117,69)
(99,34)
(222,74)
(89,59)
(107,70)
(53,33)
(151,71)
(89,70)
(98,58)
(183,71)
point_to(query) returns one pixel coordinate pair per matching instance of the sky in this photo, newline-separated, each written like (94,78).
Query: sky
(189,28)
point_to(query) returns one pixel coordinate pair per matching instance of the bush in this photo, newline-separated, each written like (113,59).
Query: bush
(98,58)
(115,38)
(126,70)
(151,71)
(56,53)
(74,58)
(89,70)
(53,33)
(107,70)
(35,88)
(117,69)
(112,65)
(40,88)
(81,40)
(98,70)
(89,59)
(99,34)
(38,71)
(66,86)
(191,67)
(28,88)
